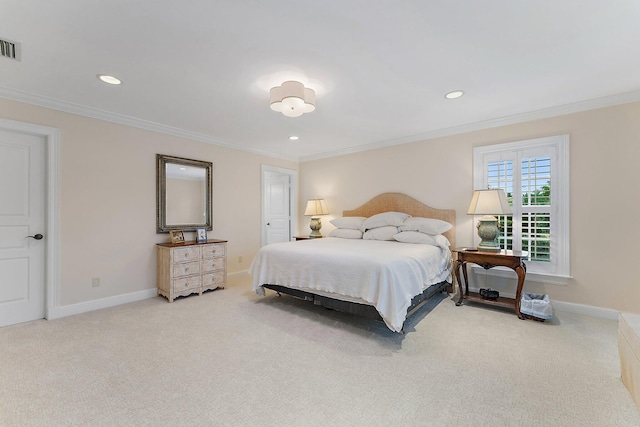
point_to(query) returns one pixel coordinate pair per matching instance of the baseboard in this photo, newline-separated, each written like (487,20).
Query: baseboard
(586,310)
(236,274)
(570,307)
(83,307)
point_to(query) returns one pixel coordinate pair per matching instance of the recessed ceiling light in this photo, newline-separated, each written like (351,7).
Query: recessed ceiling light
(109,79)
(294,138)
(455,94)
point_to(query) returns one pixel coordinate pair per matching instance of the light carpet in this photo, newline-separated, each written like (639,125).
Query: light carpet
(232,358)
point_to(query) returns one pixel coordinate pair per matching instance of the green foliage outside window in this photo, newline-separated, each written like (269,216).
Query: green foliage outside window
(535,226)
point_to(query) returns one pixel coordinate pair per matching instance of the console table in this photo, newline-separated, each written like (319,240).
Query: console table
(487,260)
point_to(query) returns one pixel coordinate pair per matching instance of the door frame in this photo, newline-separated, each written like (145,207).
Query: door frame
(293,199)
(52,215)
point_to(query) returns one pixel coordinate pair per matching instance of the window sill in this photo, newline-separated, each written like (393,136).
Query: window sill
(552,279)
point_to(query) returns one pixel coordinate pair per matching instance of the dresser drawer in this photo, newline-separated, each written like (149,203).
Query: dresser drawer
(190,253)
(215,250)
(213,280)
(187,283)
(212,264)
(185,269)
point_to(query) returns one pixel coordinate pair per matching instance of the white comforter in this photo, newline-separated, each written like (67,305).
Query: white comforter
(384,274)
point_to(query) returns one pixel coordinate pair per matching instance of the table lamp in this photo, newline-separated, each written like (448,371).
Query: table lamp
(314,208)
(489,203)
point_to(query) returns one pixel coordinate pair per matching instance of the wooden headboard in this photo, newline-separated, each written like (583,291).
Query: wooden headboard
(398,202)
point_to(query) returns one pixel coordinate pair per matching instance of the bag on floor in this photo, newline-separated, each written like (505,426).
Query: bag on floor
(536,305)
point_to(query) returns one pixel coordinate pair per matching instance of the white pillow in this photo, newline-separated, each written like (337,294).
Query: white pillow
(381,233)
(346,233)
(430,226)
(442,241)
(415,237)
(384,219)
(350,222)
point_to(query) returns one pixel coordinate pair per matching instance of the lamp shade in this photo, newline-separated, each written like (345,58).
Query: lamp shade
(292,99)
(309,100)
(489,202)
(275,99)
(316,207)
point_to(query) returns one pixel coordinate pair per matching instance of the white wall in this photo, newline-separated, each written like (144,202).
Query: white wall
(107,196)
(604,151)
(108,200)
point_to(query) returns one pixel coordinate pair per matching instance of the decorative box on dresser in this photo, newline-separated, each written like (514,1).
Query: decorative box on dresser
(191,268)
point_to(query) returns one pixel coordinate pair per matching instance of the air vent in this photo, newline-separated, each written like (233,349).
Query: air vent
(10,49)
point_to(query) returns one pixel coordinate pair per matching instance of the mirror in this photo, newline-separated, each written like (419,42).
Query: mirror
(183,194)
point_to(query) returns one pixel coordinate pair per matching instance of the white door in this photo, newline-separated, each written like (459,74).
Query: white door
(277,208)
(22,214)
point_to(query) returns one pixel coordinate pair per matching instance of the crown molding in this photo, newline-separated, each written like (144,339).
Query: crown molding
(576,107)
(81,110)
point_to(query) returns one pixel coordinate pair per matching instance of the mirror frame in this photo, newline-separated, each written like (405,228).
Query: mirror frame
(161,193)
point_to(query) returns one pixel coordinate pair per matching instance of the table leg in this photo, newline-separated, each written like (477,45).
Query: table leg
(466,278)
(520,270)
(456,274)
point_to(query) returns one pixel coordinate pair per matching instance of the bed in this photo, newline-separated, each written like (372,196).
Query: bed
(381,280)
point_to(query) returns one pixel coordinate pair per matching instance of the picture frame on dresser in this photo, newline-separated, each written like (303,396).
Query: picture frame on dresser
(201,235)
(177,236)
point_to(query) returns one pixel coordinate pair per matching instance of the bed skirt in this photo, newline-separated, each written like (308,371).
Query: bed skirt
(359,309)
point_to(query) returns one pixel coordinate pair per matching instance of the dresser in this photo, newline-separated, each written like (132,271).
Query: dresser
(191,268)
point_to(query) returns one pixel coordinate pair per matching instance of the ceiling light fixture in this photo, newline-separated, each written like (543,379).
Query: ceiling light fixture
(455,94)
(294,138)
(109,79)
(292,99)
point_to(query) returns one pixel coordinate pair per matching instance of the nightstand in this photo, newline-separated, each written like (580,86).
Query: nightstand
(511,259)
(306,237)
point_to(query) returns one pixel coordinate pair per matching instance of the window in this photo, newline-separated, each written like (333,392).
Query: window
(535,177)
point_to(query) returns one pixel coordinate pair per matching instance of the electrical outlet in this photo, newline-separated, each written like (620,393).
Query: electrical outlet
(240,259)
(95,282)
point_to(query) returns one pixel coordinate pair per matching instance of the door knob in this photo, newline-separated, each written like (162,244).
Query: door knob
(268,223)
(37,236)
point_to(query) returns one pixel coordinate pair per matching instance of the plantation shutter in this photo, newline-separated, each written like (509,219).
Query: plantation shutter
(530,176)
